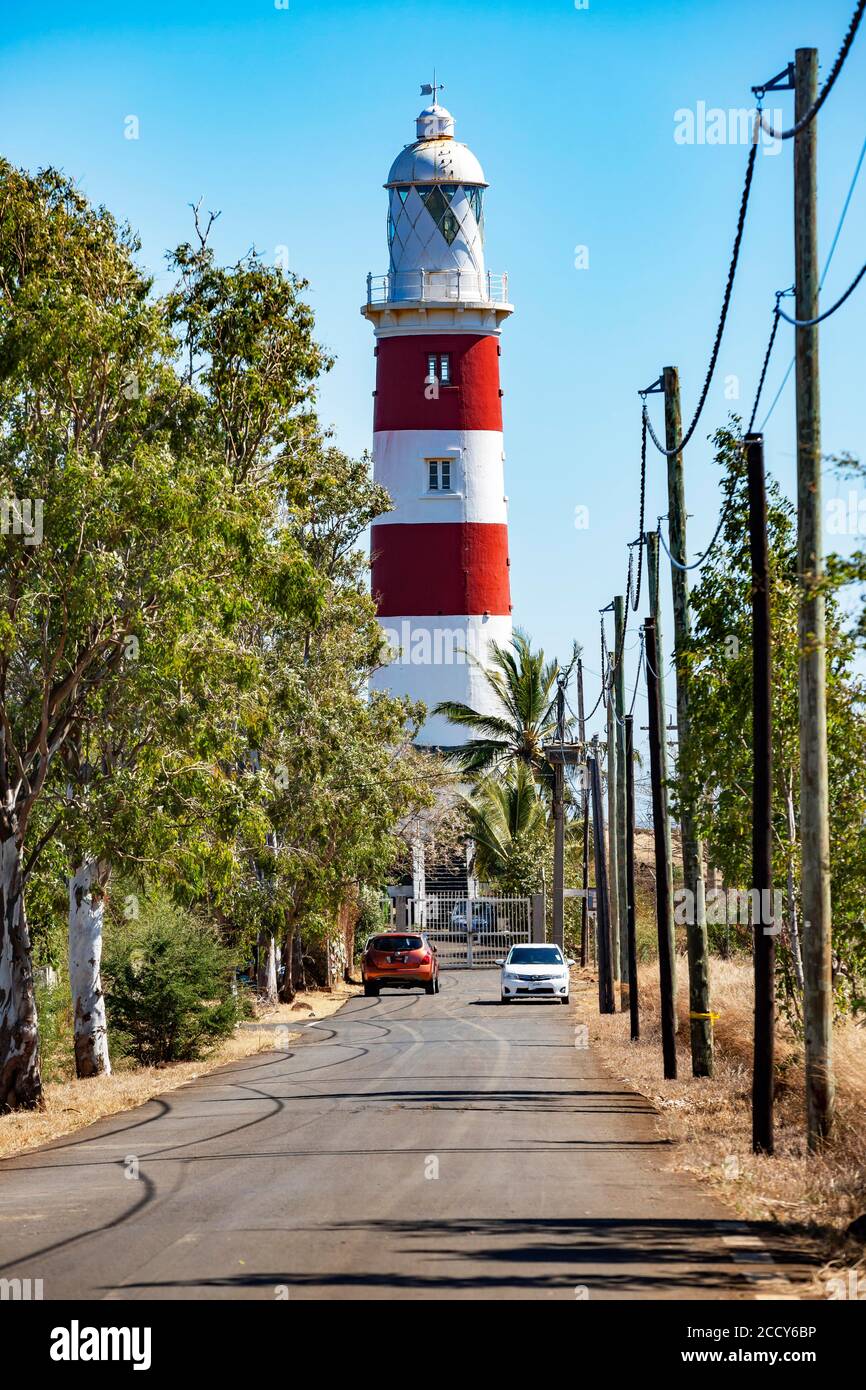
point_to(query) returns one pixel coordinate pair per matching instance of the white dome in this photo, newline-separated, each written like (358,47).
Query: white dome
(434,121)
(436,157)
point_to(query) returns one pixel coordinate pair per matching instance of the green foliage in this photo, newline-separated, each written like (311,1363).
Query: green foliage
(184,657)
(508,826)
(168,985)
(524,688)
(56,1053)
(719,777)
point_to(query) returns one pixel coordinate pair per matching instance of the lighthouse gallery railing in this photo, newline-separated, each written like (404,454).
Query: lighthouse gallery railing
(437,285)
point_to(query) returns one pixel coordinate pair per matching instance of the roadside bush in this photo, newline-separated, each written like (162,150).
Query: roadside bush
(168,982)
(54,1009)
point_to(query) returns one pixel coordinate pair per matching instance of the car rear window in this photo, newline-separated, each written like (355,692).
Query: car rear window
(536,955)
(396,943)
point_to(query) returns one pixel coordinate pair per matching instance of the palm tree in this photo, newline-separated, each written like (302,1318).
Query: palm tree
(507,820)
(525,689)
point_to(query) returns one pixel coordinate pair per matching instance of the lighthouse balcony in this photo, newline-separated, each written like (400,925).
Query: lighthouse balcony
(435,287)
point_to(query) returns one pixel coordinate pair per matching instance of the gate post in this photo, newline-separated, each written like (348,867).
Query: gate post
(470,918)
(538,917)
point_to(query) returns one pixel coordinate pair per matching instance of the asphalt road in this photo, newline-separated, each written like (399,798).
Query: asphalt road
(408,1147)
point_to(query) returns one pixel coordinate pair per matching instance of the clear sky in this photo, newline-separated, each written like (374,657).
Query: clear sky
(287,119)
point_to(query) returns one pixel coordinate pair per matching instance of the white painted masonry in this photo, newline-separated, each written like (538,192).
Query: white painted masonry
(431,664)
(477,475)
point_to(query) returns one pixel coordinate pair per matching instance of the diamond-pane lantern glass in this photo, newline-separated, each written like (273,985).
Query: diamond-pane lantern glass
(436,204)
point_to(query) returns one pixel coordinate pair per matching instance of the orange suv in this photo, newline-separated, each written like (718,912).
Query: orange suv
(402,960)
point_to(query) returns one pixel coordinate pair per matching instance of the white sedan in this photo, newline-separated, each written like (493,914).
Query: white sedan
(534,972)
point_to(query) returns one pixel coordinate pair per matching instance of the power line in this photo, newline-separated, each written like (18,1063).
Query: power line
(741,222)
(810,323)
(767,356)
(840,224)
(639,542)
(825,90)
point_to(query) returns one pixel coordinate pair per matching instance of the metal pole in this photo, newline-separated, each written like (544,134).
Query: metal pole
(663,903)
(763,926)
(701,1027)
(814,794)
(629,859)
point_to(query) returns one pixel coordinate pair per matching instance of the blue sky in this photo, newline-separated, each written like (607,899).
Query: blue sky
(287,121)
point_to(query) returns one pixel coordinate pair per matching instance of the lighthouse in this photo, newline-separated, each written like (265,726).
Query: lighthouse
(440,567)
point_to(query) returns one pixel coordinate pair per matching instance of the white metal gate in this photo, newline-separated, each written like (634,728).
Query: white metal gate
(471,931)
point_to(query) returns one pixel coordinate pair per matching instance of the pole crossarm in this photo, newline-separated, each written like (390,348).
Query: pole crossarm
(777,85)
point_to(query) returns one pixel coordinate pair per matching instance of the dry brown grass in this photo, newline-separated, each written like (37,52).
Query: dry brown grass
(821,1192)
(70,1105)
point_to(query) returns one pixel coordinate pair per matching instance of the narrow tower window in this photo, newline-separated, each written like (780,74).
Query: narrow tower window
(439,368)
(439,475)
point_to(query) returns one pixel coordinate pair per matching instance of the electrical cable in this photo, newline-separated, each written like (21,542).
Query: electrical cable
(741,222)
(810,323)
(825,90)
(840,224)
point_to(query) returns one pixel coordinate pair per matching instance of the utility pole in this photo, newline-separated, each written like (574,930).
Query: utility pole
(584,902)
(559,825)
(631,907)
(619,706)
(814,800)
(763,925)
(664,907)
(613,878)
(701,1028)
(606,999)
(652,557)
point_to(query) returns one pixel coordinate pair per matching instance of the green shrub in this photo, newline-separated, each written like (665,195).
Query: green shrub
(168,983)
(54,1011)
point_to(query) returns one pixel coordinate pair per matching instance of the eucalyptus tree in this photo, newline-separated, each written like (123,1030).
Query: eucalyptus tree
(143,492)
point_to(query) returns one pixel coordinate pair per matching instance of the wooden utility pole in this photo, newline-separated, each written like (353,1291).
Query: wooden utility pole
(606,999)
(613,876)
(701,1027)
(584,902)
(619,707)
(631,904)
(652,557)
(664,907)
(763,926)
(814,800)
(559,825)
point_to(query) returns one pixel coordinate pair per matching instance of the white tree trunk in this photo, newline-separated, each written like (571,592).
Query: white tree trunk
(20,1081)
(266,984)
(86,913)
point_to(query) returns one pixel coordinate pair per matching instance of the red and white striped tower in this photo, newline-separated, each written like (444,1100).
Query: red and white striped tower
(440,558)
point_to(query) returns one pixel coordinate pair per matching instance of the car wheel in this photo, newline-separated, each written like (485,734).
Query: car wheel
(371,990)
(566,1000)
(505,998)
